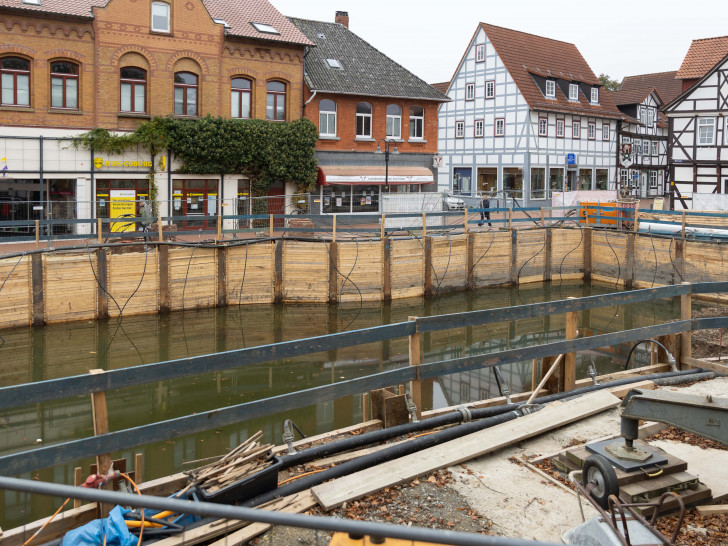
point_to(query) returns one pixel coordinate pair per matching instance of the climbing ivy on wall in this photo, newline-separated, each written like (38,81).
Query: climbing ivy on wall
(261,150)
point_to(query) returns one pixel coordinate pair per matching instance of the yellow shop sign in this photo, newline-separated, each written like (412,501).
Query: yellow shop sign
(100,162)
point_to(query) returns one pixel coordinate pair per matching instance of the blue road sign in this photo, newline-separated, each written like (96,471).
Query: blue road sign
(571,159)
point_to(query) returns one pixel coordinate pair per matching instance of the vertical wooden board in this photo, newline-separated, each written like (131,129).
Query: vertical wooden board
(408,268)
(70,287)
(567,253)
(705,262)
(16,298)
(250,273)
(609,255)
(305,272)
(654,262)
(193,278)
(133,283)
(531,255)
(491,258)
(449,263)
(361,265)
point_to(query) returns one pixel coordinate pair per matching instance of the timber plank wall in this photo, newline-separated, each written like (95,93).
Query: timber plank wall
(65,286)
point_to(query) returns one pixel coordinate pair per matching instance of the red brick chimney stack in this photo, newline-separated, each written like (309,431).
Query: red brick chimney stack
(342,17)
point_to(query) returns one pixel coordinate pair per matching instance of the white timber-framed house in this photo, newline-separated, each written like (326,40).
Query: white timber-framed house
(698,130)
(642,154)
(528,119)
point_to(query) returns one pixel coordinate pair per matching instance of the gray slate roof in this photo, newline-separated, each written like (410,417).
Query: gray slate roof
(365,70)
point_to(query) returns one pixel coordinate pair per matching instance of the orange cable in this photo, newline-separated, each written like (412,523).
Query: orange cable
(46,523)
(141,528)
(301,476)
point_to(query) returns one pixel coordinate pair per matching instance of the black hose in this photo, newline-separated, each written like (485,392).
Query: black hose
(384,455)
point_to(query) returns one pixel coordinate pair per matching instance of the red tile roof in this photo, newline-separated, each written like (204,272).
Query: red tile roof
(665,83)
(237,14)
(703,55)
(442,87)
(524,54)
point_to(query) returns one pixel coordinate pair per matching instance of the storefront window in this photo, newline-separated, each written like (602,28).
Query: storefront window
(487,179)
(602,182)
(585,179)
(538,183)
(196,201)
(556,179)
(121,199)
(513,182)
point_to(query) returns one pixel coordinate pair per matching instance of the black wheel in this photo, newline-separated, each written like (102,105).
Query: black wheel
(598,470)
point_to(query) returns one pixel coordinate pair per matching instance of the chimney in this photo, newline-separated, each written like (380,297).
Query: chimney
(342,17)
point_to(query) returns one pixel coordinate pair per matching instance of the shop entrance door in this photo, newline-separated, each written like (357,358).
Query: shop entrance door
(196,202)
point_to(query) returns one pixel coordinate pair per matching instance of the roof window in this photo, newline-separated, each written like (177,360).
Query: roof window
(334,63)
(33,2)
(321,35)
(221,22)
(265,28)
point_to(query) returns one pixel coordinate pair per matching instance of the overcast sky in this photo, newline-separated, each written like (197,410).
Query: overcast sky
(618,37)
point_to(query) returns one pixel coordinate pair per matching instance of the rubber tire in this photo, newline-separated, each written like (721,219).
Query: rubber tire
(597,468)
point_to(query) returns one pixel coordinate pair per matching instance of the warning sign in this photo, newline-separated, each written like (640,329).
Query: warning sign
(123,205)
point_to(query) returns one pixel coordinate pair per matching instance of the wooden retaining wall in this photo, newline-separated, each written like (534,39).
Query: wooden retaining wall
(70,286)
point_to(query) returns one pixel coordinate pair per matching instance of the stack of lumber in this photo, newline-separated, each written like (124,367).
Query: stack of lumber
(247,459)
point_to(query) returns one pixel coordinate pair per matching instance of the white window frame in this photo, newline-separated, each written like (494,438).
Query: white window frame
(605,131)
(573,91)
(591,131)
(650,117)
(643,115)
(364,119)
(459,129)
(469,91)
(168,17)
(490,89)
(479,53)
(560,124)
(394,123)
(576,129)
(705,123)
(624,177)
(417,124)
(595,95)
(543,127)
(328,118)
(479,130)
(725,132)
(550,89)
(502,123)
(653,179)
(655,148)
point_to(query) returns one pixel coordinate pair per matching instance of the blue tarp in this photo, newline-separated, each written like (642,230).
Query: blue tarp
(92,534)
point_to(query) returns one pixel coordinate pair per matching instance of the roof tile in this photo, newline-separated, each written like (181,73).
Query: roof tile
(703,55)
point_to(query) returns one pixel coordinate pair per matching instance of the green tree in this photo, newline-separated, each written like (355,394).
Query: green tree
(608,83)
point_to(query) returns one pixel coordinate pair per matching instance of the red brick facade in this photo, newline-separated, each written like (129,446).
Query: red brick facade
(346,123)
(120,36)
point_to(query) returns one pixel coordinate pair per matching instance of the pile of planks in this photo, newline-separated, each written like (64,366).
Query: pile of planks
(247,459)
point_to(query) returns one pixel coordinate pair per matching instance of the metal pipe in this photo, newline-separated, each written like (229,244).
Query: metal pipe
(265,516)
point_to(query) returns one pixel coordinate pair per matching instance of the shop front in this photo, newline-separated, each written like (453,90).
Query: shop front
(360,189)
(196,202)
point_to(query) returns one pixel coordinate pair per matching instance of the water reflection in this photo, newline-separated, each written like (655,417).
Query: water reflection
(74,348)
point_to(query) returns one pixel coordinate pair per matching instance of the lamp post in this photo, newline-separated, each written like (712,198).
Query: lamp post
(387,143)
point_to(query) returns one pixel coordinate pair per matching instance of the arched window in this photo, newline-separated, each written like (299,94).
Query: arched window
(133,89)
(364,120)
(15,75)
(160,17)
(417,122)
(240,90)
(185,94)
(275,106)
(327,118)
(64,85)
(394,121)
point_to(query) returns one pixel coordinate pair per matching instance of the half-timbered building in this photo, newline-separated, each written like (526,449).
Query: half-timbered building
(642,153)
(698,128)
(528,117)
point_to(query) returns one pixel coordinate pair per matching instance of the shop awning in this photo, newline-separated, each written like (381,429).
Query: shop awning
(370,176)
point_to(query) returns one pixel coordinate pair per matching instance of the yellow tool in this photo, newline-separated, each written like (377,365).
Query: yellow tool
(345,539)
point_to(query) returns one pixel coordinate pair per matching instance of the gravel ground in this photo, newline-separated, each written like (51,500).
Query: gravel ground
(710,343)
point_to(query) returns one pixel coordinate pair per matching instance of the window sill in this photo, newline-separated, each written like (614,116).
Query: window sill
(364,139)
(138,115)
(417,141)
(394,139)
(180,116)
(161,33)
(16,109)
(65,111)
(328,138)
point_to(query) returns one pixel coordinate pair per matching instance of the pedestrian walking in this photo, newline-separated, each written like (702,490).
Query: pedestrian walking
(485,212)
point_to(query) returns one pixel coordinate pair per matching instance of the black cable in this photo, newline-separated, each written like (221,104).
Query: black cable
(346,277)
(184,287)
(669,253)
(492,240)
(654,251)
(561,266)
(144,271)
(619,266)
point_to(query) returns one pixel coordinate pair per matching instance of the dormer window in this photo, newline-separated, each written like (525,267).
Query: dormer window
(595,95)
(265,28)
(551,89)
(573,91)
(160,17)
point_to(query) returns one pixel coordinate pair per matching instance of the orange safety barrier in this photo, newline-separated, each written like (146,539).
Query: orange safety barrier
(588,212)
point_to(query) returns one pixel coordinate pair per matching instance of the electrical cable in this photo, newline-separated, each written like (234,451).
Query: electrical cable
(492,240)
(561,266)
(619,266)
(346,277)
(669,253)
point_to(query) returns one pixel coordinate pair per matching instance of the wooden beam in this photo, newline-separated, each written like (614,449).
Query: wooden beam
(428,265)
(415,359)
(100,416)
(77,481)
(138,467)
(36,275)
(386,269)
(165,305)
(689,362)
(570,358)
(102,276)
(334,493)
(712,509)
(588,242)
(333,271)
(686,313)
(222,294)
(278,272)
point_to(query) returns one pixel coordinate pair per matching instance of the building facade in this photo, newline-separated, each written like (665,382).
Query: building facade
(528,118)
(68,67)
(359,98)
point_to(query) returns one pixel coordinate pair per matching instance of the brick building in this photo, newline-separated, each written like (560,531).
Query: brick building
(70,66)
(358,97)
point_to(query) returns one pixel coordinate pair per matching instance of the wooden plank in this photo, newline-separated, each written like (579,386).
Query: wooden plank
(386,267)
(427,257)
(705,364)
(712,509)
(359,484)
(569,377)
(221,257)
(102,274)
(333,272)
(36,273)
(165,304)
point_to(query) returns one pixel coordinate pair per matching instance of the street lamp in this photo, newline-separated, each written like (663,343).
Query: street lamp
(387,143)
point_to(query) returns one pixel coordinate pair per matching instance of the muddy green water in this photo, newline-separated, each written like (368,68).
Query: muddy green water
(29,355)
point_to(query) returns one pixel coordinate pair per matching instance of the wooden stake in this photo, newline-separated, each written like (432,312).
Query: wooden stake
(271,226)
(37,232)
(101,423)
(381,228)
(415,359)
(365,407)
(545,378)
(510,219)
(138,465)
(636,219)
(77,481)
(99,228)
(159,228)
(683,224)
(543,216)
(333,230)
(219,227)
(465,222)
(424,225)
(570,359)
(534,374)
